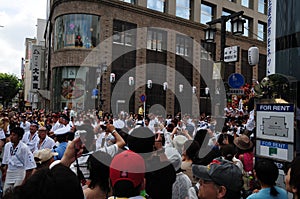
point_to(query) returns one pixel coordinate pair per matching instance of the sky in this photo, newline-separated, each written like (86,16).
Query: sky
(19,20)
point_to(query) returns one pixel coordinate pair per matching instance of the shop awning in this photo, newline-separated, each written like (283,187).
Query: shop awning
(45,94)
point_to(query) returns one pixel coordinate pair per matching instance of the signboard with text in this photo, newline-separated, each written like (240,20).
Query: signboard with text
(36,62)
(275,122)
(275,150)
(231,54)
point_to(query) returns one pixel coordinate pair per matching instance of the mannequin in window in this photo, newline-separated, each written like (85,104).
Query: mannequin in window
(78,42)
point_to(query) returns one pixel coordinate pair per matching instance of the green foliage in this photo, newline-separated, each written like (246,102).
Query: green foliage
(9,86)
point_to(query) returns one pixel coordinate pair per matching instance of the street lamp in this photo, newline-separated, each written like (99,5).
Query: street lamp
(102,68)
(237,29)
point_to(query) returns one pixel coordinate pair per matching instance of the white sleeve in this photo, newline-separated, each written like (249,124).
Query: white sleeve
(5,157)
(2,134)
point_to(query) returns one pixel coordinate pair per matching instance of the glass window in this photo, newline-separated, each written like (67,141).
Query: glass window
(124,33)
(156,40)
(262,6)
(158,5)
(208,50)
(129,1)
(246,27)
(228,23)
(76,30)
(183,46)
(183,9)
(261,31)
(206,13)
(247,3)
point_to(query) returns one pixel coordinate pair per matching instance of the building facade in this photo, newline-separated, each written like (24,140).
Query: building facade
(150,48)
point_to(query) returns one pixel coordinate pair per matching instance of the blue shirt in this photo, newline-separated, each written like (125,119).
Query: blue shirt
(60,150)
(265,193)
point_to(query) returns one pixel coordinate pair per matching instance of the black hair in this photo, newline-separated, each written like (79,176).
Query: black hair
(267,173)
(19,131)
(125,188)
(98,164)
(191,148)
(141,140)
(228,151)
(89,137)
(59,183)
(61,138)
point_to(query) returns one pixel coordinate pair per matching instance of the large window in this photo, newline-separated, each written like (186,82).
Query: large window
(156,40)
(183,8)
(158,5)
(262,6)
(228,23)
(247,3)
(76,31)
(208,50)
(261,31)
(184,45)
(247,27)
(124,33)
(207,13)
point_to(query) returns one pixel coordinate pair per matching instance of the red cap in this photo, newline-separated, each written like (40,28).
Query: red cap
(129,166)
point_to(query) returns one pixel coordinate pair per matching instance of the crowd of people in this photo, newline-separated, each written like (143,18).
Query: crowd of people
(94,155)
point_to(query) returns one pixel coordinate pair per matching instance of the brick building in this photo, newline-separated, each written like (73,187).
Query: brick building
(155,48)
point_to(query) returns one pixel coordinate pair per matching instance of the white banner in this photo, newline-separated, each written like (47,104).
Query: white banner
(271,37)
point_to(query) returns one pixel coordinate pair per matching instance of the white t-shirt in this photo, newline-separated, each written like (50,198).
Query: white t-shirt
(2,134)
(32,144)
(111,150)
(25,125)
(19,158)
(48,143)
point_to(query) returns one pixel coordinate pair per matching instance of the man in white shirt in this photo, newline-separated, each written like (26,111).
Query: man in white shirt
(25,124)
(18,161)
(45,142)
(31,137)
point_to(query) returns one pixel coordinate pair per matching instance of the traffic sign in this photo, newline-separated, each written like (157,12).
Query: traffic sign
(94,92)
(236,80)
(143,98)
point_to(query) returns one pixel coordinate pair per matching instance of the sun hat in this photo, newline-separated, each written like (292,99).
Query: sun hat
(243,142)
(43,155)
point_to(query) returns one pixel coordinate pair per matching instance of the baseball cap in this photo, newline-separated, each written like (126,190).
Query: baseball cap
(129,166)
(43,155)
(221,172)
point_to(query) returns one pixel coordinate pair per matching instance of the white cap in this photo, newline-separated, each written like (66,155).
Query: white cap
(119,124)
(61,131)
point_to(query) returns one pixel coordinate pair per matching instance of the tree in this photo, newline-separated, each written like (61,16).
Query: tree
(9,87)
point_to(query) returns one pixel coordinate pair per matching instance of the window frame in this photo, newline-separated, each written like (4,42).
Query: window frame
(212,6)
(153,41)
(163,9)
(184,46)
(126,32)
(182,7)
